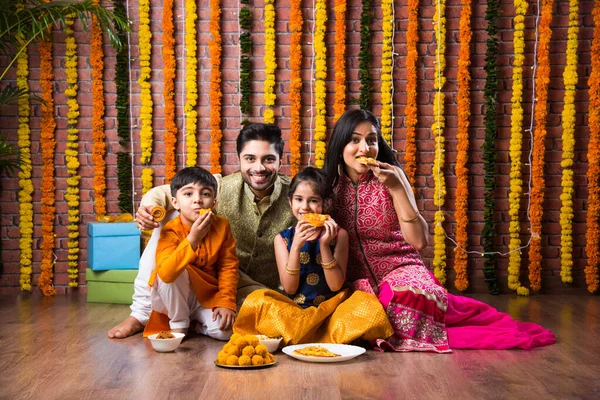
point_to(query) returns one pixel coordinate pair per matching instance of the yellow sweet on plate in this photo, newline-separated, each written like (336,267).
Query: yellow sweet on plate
(316,351)
(244,351)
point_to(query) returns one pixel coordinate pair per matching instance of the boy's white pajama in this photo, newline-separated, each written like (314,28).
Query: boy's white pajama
(178,301)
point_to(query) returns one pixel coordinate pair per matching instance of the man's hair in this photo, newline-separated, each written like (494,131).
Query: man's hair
(317,180)
(258,131)
(193,175)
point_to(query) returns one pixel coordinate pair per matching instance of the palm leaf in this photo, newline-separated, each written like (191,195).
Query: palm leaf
(9,158)
(10,94)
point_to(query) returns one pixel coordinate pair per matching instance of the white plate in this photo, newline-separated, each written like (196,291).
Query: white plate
(345,351)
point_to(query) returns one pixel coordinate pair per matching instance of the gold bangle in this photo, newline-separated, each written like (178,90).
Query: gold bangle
(413,219)
(330,264)
(292,271)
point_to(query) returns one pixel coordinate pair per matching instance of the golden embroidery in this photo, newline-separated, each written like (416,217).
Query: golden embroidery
(304,257)
(319,258)
(300,298)
(312,279)
(318,300)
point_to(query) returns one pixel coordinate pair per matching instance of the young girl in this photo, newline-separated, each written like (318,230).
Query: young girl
(312,261)
(375,203)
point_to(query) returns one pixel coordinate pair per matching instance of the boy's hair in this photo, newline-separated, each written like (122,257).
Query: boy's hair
(316,179)
(258,131)
(342,133)
(193,175)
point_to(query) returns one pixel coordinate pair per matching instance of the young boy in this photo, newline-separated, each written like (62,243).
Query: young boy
(196,272)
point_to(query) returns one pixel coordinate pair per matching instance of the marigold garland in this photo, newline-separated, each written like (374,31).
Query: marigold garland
(439,196)
(122,104)
(539,148)
(516,140)
(320,77)
(339,105)
(592,235)
(462,183)
(145,46)
(191,83)
(364,57)
(489,145)
(25,194)
(296,23)
(386,70)
(47,144)
(214,47)
(72,153)
(412,36)
(99,147)
(568,142)
(169,74)
(270,62)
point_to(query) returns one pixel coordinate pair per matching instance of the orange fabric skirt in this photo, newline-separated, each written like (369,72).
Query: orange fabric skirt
(342,319)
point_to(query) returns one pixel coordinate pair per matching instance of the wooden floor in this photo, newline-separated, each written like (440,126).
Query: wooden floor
(57,348)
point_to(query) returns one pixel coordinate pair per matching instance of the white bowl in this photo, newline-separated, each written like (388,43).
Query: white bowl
(166,345)
(271,343)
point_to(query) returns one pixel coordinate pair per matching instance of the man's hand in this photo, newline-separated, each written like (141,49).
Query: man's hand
(227,317)
(144,220)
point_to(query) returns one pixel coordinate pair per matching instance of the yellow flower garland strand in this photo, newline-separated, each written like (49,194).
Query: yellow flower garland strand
(386,70)
(270,62)
(568,142)
(191,83)
(25,194)
(516,140)
(72,153)
(439,247)
(320,76)
(145,46)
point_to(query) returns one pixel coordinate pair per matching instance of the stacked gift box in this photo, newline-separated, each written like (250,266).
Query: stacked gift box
(113,256)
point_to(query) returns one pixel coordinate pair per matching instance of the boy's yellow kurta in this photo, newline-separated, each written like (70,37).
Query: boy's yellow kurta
(212,267)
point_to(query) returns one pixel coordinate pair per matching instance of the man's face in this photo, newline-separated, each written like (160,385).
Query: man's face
(259,164)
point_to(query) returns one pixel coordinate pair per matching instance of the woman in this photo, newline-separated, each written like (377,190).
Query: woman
(375,204)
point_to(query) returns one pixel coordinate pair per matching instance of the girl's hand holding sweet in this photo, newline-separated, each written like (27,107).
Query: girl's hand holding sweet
(304,231)
(330,231)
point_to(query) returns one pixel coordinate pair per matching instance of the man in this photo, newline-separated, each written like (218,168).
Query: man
(254,201)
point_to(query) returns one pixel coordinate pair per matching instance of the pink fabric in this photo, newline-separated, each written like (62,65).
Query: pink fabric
(472,324)
(424,316)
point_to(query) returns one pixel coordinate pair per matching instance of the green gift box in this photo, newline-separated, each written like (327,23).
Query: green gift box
(113,286)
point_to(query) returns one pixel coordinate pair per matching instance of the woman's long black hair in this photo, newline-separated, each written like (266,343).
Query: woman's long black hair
(342,133)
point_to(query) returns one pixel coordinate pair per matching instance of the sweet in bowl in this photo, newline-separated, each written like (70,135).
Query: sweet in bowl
(166,345)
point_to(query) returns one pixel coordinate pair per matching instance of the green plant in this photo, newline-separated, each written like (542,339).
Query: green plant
(21,26)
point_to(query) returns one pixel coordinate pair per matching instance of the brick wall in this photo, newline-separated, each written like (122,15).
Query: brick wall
(9,279)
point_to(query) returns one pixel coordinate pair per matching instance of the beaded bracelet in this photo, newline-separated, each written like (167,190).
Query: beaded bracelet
(330,264)
(292,271)
(417,215)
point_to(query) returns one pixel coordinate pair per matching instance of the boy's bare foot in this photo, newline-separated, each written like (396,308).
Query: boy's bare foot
(129,327)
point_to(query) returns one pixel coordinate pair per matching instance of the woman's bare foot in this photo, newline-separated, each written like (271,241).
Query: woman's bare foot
(129,327)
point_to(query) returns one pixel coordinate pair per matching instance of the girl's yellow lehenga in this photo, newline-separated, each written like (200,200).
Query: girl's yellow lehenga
(342,319)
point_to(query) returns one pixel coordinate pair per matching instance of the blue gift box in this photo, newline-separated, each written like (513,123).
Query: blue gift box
(113,246)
